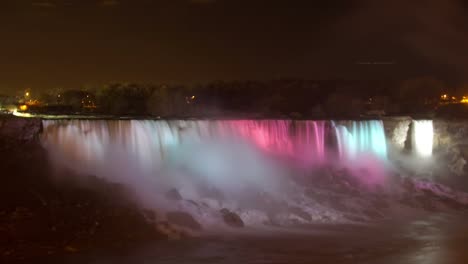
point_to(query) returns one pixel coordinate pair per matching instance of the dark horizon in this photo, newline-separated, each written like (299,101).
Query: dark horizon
(72,44)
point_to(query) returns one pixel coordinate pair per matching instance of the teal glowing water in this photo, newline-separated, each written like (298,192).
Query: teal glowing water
(361,137)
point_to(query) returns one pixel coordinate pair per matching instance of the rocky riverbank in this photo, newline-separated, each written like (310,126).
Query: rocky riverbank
(43,217)
(450,149)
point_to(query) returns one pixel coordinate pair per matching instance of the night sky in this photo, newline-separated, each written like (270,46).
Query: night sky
(74,43)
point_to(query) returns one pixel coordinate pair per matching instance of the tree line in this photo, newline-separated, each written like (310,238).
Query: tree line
(264,98)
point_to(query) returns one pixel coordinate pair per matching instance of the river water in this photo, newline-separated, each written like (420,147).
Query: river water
(431,239)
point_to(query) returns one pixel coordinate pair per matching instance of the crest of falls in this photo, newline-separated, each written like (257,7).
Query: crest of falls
(153,143)
(422,137)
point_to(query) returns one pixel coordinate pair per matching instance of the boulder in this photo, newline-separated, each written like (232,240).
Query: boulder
(183,219)
(173,195)
(300,213)
(231,219)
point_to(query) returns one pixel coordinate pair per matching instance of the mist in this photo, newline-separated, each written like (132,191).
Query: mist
(260,169)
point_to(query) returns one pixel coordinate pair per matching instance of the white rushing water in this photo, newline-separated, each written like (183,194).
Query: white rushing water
(422,137)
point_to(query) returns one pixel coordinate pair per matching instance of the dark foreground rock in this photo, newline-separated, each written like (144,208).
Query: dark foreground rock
(183,219)
(231,219)
(22,130)
(173,195)
(43,214)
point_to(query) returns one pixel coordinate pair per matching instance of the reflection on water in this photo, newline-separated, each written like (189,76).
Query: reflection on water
(442,239)
(433,239)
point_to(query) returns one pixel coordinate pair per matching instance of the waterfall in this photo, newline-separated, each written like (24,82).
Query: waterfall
(248,166)
(237,158)
(229,154)
(355,138)
(150,142)
(422,137)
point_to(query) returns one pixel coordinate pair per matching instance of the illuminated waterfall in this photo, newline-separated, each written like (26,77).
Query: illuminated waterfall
(238,157)
(422,137)
(361,137)
(149,141)
(302,140)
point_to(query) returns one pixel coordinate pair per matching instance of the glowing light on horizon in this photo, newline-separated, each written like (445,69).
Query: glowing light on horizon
(18,114)
(423,137)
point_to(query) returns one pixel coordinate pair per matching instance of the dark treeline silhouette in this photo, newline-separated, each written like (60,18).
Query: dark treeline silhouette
(277,98)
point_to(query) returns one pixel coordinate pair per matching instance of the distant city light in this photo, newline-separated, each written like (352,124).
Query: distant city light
(464,100)
(27,94)
(16,113)
(23,107)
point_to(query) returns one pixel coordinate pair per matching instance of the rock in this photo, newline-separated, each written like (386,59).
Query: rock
(168,230)
(372,213)
(254,217)
(426,202)
(380,203)
(211,203)
(396,128)
(300,213)
(355,218)
(193,203)
(149,215)
(20,129)
(183,219)
(231,219)
(173,195)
